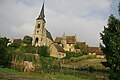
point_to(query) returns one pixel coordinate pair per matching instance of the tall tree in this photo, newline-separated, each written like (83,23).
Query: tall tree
(111,43)
(27,40)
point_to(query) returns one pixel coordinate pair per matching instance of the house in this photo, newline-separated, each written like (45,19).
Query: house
(67,42)
(96,51)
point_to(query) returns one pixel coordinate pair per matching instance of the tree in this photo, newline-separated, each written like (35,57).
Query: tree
(3,51)
(43,51)
(111,43)
(27,40)
(16,43)
(82,46)
(77,46)
(45,58)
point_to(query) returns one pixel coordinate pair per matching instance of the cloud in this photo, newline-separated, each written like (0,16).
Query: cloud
(87,22)
(23,30)
(85,18)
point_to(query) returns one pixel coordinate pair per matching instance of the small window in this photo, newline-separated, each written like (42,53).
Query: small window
(38,26)
(37,31)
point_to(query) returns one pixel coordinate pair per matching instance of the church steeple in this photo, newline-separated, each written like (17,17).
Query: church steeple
(41,16)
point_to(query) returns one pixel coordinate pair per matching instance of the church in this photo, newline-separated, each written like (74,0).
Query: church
(42,37)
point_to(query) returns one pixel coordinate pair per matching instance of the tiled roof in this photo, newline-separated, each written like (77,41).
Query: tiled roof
(71,39)
(58,39)
(59,48)
(95,50)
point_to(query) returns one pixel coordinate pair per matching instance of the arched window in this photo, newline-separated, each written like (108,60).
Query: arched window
(36,40)
(38,25)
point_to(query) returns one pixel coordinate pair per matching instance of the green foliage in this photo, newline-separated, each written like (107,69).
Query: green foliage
(15,45)
(72,54)
(77,46)
(27,40)
(28,49)
(3,51)
(83,48)
(45,58)
(43,51)
(111,40)
(46,63)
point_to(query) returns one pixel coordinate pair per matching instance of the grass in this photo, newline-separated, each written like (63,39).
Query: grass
(34,75)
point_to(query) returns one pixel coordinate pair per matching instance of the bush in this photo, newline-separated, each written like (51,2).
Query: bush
(72,54)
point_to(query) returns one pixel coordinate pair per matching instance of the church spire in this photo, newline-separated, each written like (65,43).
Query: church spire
(41,16)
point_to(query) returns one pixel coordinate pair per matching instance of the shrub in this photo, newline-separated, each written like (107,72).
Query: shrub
(72,54)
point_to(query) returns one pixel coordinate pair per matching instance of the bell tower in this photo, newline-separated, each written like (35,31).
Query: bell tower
(64,40)
(39,36)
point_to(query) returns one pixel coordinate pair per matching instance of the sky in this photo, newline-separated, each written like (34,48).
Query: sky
(85,18)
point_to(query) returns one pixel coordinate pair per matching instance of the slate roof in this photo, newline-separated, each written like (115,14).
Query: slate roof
(49,35)
(42,15)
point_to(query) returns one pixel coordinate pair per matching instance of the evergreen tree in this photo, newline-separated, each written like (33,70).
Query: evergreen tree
(111,43)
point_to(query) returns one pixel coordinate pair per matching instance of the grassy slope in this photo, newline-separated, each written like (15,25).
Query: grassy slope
(95,63)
